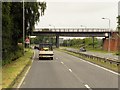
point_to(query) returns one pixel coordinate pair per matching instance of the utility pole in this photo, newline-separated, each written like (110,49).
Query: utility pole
(108,34)
(23,28)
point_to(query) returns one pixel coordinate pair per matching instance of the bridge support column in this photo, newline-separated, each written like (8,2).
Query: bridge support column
(93,41)
(57,41)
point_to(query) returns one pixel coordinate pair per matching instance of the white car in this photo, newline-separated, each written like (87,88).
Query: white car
(46,51)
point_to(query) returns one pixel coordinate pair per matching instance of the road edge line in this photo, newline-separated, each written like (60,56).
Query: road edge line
(113,72)
(62,63)
(70,70)
(19,85)
(23,78)
(100,67)
(87,87)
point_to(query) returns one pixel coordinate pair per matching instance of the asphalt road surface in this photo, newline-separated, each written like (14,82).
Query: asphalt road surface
(100,54)
(67,71)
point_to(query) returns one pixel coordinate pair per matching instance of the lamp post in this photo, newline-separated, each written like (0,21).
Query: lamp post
(51,30)
(83,26)
(23,28)
(108,34)
(52,25)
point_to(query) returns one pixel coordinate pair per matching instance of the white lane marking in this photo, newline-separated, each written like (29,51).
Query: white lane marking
(77,77)
(70,70)
(26,73)
(23,78)
(62,63)
(101,67)
(87,87)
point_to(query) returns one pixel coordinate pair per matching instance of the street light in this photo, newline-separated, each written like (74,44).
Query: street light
(109,34)
(23,28)
(52,25)
(83,26)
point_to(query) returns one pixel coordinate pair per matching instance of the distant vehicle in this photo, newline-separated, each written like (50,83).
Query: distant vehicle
(46,51)
(82,49)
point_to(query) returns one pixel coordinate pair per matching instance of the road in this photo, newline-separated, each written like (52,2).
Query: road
(67,71)
(100,54)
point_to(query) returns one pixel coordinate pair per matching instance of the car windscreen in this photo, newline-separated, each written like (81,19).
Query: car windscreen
(45,47)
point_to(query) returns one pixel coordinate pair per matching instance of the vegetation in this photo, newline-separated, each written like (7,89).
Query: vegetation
(118,53)
(12,70)
(87,43)
(118,22)
(12,26)
(32,15)
(43,39)
(113,67)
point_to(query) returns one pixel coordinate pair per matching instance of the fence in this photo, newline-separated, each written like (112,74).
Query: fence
(93,57)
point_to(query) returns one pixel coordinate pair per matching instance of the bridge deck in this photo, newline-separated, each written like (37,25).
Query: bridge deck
(73,32)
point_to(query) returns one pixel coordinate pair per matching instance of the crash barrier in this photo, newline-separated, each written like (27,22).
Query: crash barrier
(93,57)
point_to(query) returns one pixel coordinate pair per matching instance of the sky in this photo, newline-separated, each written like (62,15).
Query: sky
(119,8)
(79,12)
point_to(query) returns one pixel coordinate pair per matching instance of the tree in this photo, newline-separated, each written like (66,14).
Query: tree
(12,26)
(87,42)
(118,33)
(32,15)
(16,15)
(43,39)
(118,23)
(6,29)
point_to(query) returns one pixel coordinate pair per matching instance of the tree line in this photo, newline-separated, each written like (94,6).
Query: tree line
(119,34)
(86,42)
(12,26)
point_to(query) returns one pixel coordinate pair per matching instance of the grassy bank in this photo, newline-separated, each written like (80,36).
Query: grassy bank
(12,70)
(97,50)
(113,67)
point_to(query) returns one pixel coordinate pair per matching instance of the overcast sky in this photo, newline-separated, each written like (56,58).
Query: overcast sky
(79,12)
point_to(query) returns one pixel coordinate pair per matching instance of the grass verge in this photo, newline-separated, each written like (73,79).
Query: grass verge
(96,50)
(107,65)
(12,70)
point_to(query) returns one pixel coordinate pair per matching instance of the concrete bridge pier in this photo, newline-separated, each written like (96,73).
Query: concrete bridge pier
(57,41)
(93,41)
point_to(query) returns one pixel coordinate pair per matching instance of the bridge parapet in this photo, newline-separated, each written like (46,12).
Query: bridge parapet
(73,30)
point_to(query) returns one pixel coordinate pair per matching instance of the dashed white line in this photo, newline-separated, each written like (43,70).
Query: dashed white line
(77,77)
(62,63)
(87,87)
(70,70)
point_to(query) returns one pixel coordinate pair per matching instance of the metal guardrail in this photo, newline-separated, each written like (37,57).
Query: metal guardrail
(73,30)
(111,61)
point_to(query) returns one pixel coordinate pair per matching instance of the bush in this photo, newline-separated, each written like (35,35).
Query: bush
(10,56)
(118,53)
